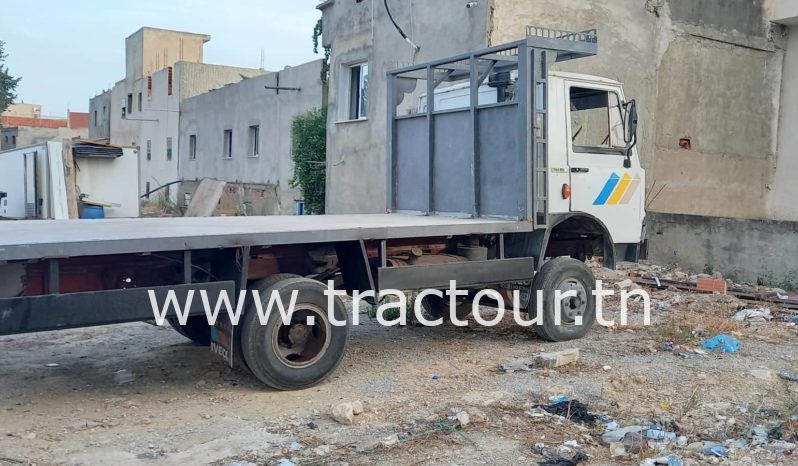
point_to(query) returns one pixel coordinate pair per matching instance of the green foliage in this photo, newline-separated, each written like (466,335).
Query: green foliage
(325,67)
(8,84)
(309,141)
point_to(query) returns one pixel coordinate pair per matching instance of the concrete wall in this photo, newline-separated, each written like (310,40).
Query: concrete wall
(784,192)
(740,249)
(100,116)
(8,137)
(784,11)
(111,180)
(151,49)
(706,71)
(21,136)
(236,107)
(24,110)
(702,70)
(160,115)
(356,151)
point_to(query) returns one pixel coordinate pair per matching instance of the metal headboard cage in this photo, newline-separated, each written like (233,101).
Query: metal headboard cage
(589,35)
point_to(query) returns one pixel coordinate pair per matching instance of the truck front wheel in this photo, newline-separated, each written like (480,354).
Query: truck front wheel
(302,352)
(564,274)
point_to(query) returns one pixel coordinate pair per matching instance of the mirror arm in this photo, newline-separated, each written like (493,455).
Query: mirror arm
(627,163)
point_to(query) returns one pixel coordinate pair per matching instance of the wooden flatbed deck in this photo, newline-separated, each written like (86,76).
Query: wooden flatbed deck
(41,239)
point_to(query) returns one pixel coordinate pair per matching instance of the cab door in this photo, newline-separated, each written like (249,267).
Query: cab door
(601,184)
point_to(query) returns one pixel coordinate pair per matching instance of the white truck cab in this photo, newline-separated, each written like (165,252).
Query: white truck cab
(587,154)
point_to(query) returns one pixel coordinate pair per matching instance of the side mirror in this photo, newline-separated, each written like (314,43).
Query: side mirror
(629,130)
(630,122)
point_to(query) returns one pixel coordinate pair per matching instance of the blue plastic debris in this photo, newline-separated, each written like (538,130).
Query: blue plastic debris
(724,342)
(435,377)
(609,423)
(659,434)
(675,461)
(559,399)
(668,346)
(718,450)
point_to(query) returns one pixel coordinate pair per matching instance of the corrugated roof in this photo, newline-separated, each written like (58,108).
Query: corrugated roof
(89,148)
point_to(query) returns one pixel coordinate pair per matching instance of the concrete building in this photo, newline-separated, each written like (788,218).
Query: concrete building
(22,109)
(711,77)
(241,134)
(99,116)
(23,125)
(163,68)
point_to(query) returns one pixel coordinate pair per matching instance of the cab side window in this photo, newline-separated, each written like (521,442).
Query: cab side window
(596,121)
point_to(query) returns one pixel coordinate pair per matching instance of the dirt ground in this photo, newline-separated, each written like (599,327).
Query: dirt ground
(64,401)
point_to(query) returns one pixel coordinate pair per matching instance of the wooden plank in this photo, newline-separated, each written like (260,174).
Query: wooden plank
(71,181)
(58,182)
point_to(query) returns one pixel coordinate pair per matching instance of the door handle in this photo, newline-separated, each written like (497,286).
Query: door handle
(579,170)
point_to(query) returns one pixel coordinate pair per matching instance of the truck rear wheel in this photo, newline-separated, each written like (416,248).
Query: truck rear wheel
(305,351)
(565,274)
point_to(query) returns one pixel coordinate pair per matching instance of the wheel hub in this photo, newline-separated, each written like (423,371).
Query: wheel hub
(302,343)
(573,306)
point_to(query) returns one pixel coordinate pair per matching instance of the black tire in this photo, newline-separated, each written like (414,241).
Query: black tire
(271,280)
(270,350)
(196,329)
(564,273)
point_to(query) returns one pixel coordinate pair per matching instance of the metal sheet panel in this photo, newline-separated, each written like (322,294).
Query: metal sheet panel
(502,157)
(466,273)
(411,168)
(452,187)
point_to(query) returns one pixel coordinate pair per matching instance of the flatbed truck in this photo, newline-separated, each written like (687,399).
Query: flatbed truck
(507,193)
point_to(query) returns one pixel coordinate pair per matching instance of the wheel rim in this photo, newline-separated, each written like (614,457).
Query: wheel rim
(298,344)
(573,306)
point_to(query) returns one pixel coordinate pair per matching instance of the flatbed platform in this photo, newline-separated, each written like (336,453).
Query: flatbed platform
(42,239)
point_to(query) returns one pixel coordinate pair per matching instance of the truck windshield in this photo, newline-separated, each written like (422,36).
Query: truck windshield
(596,120)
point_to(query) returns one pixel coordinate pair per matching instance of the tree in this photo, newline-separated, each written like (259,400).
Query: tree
(309,141)
(8,84)
(325,66)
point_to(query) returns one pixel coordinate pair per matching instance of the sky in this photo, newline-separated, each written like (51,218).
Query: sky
(68,51)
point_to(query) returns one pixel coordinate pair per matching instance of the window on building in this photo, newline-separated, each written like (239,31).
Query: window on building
(104,113)
(149,149)
(139,101)
(169,80)
(147,190)
(596,120)
(227,148)
(96,121)
(358,91)
(13,140)
(149,86)
(168,148)
(129,103)
(254,140)
(192,147)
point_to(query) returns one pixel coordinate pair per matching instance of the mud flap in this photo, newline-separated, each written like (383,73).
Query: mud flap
(223,340)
